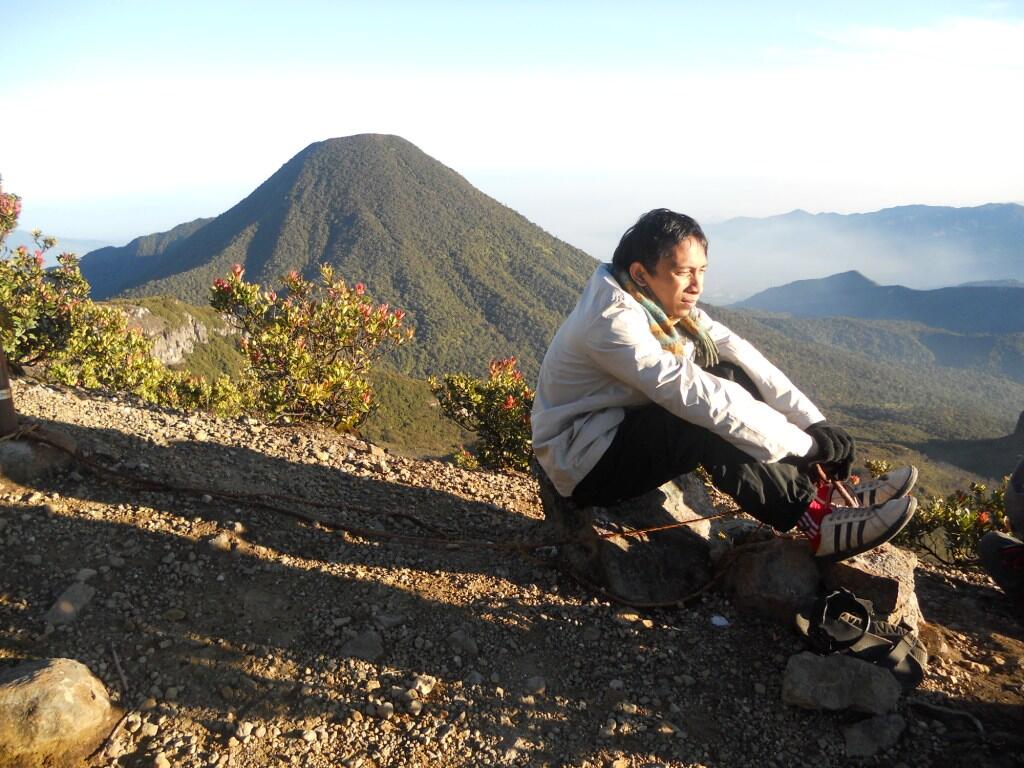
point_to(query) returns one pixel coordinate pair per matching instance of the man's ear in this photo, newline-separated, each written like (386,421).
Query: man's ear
(638,273)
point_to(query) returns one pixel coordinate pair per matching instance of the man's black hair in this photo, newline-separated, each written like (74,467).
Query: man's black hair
(653,236)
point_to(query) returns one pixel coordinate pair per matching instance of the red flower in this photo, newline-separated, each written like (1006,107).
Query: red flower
(293,276)
(236,270)
(220,285)
(984,517)
(360,289)
(39,258)
(510,403)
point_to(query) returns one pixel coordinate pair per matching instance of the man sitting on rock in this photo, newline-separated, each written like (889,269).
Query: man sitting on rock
(640,386)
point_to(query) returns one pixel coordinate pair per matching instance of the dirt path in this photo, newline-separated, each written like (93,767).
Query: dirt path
(240,630)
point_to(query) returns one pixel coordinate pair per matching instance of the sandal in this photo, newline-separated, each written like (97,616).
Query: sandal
(841,622)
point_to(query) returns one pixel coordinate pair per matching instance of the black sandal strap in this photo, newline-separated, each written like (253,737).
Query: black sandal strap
(824,621)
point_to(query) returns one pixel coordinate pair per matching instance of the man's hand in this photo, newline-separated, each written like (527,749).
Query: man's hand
(833,448)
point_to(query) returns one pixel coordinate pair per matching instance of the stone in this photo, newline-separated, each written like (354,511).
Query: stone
(221,542)
(460,640)
(71,601)
(535,685)
(774,578)
(389,620)
(367,645)
(934,640)
(876,734)
(424,684)
(25,460)
(663,567)
(52,711)
(160,761)
(173,614)
(885,576)
(838,682)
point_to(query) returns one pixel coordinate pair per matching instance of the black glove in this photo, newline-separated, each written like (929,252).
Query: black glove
(833,449)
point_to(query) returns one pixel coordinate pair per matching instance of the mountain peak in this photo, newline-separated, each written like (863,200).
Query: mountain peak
(847,280)
(478,280)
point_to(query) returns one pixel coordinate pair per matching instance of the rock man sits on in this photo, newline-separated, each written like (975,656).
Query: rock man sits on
(640,386)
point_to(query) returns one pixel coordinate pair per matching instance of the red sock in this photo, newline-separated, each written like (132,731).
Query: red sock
(810,522)
(824,491)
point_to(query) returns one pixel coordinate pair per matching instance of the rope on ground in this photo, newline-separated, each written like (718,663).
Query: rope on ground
(20,433)
(441,538)
(265,501)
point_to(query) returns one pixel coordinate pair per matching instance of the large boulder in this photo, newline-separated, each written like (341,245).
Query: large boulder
(655,568)
(773,578)
(885,576)
(52,712)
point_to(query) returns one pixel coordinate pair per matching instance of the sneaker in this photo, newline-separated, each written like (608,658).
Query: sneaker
(1003,558)
(892,485)
(848,531)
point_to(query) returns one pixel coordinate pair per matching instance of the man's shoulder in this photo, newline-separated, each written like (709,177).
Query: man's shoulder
(603,289)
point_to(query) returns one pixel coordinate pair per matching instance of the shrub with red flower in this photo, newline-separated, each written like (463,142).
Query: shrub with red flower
(951,527)
(50,324)
(497,409)
(310,347)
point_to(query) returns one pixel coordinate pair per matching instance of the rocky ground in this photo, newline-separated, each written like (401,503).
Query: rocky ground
(235,635)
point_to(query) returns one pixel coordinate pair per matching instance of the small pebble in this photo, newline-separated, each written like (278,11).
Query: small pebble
(535,685)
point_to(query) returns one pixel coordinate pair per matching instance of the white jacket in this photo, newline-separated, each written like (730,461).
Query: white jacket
(604,359)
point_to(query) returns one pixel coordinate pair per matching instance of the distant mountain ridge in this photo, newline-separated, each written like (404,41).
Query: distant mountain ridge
(110,270)
(971,309)
(919,246)
(477,278)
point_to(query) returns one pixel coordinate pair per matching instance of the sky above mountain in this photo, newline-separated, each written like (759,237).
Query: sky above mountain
(128,118)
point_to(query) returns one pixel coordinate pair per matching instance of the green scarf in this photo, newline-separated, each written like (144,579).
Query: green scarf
(667,334)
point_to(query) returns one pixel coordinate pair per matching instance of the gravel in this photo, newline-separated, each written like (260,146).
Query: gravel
(244,637)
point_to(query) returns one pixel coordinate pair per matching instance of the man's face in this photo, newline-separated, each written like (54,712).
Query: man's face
(679,279)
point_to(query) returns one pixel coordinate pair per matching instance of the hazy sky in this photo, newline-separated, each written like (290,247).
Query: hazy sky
(124,118)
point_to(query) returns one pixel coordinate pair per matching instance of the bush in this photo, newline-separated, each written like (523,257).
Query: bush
(309,352)
(10,209)
(496,409)
(878,467)
(951,527)
(50,323)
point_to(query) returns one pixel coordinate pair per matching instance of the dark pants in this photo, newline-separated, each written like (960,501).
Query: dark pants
(652,446)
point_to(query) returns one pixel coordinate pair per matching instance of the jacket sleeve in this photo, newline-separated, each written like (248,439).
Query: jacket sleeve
(620,343)
(775,387)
